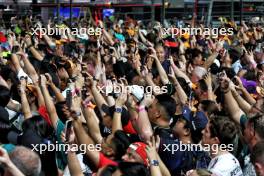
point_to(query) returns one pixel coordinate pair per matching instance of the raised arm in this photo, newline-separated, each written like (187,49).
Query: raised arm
(84,138)
(48,101)
(92,121)
(179,90)
(30,70)
(32,49)
(117,125)
(230,103)
(143,124)
(56,91)
(74,164)
(24,101)
(162,72)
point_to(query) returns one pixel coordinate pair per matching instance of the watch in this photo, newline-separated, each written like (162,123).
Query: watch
(154,163)
(118,110)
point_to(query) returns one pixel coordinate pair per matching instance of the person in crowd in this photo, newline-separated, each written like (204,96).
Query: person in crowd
(121,101)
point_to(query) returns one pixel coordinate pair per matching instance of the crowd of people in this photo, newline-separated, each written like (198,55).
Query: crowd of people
(141,101)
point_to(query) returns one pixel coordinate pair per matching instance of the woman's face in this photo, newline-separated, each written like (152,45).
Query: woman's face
(160,53)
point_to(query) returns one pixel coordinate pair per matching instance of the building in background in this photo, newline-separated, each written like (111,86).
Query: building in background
(207,11)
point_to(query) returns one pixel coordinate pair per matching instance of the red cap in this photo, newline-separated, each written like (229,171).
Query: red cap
(140,148)
(171,44)
(2,38)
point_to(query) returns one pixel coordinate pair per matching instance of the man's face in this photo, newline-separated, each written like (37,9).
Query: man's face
(178,128)
(198,60)
(132,156)
(107,121)
(206,139)
(160,53)
(153,111)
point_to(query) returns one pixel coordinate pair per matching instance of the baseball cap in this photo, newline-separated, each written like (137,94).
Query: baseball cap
(140,149)
(197,121)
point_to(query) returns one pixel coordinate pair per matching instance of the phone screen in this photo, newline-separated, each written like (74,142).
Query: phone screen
(68,127)
(69,98)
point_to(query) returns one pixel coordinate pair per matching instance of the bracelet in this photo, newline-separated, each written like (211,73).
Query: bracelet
(88,104)
(141,108)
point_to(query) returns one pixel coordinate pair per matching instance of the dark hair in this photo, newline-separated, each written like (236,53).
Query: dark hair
(4,96)
(209,106)
(258,122)
(120,143)
(223,128)
(168,103)
(39,125)
(8,73)
(257,154)
(4,130)
(132,169)
(203,85)
(184,85)
(192,53)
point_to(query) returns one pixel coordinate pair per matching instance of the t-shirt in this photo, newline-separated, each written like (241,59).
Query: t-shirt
(179,160)
(225,165)
(44,113)
(60,155)
(104,161)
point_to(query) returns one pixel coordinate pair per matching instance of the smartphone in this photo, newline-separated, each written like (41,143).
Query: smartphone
(68,126)
(69,98)
(149,51)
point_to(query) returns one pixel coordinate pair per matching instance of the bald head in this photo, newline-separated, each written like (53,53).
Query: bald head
(27,161)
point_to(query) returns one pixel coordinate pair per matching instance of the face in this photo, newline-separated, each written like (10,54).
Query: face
(153,111)
(106,146)
(198,60)
(30,96)
(206,139)
(178,129)
(107,121)
(160,53)
(132,156)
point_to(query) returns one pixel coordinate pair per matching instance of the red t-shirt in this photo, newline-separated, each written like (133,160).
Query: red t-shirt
(129,128)
(43,112)
(104,161)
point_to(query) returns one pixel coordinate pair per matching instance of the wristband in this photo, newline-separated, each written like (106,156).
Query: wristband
(154,163)
(88,104)
(141,108)
(118,110)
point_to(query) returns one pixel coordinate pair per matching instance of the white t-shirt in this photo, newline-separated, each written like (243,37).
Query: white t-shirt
(225,165)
